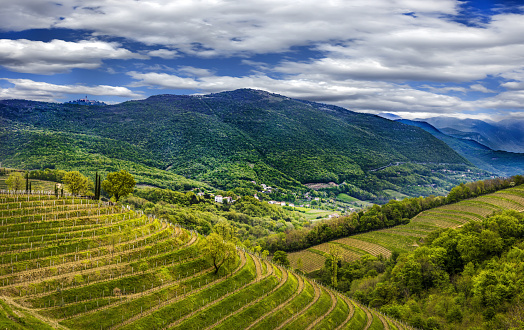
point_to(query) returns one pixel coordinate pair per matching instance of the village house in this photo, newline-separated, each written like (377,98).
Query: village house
(218,199)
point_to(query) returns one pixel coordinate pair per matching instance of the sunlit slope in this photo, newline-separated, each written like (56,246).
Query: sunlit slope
(73,263)
(226,139)
(407,237)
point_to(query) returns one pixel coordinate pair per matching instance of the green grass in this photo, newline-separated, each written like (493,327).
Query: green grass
(318,309)
(314,214)
(228,305)
(336,317)
(377,323)
(359,319)
(282,314)
(347,199)
(249,315)
(395,194)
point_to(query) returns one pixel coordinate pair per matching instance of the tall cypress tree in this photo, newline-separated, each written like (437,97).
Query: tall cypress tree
(26,181)
(97,186)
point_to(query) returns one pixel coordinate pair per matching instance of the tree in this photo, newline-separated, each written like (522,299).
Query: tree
(299,264)
(77,183)
(226,230)
(218,250)
(280,257)
(334,255)
(15,181)
(97,186)
(119,184)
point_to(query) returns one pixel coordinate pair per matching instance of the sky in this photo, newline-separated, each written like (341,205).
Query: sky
(411,58)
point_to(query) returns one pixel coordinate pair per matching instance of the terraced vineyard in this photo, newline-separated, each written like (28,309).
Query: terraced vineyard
(406,237)
(70,263)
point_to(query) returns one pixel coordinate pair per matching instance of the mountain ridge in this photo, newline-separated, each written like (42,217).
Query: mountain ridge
(231,138)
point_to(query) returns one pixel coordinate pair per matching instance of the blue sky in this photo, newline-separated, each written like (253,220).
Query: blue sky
(413,58)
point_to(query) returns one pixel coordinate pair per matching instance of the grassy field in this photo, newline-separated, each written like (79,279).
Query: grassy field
(395,194)
(71,263)
(407,237)
(314,214)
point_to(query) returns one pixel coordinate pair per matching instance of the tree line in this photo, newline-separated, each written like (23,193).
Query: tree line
(116,185)
(390,214)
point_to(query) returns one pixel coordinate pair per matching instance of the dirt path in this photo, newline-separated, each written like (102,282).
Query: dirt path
(300,287)
(350,314)
(180,297)
(268,273)
(53,323)
(334,301)
(214,302)
(383,320)
(318,291)
(368,315)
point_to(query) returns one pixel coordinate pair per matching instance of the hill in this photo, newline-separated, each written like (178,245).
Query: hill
(502,163)
(72,263)
(407,237)
(225,140)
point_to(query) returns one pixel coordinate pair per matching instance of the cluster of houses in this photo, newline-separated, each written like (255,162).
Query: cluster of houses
(222,199)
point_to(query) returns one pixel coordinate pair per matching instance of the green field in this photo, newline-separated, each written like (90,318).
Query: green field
(73,263)
(407,237)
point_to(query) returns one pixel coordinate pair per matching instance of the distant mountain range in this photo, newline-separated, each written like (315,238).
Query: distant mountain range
(470,145)
(226,140)
(506,135)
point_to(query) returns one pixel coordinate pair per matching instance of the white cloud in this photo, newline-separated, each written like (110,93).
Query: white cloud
(354,95)
(163,53)
(481,88)
(198,72)
(42,91)
(58,56)
(363,52)
(513,99)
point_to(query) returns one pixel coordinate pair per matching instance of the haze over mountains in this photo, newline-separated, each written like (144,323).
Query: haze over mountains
(502,163)
(506,135)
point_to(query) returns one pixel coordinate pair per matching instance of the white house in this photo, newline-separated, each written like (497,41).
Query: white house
(219,199)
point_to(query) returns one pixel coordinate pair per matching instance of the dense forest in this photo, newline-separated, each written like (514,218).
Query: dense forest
(469,277)
(229,140)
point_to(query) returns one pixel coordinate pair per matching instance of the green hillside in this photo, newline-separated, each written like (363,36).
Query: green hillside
(227,140)
(72,263)
(408,237)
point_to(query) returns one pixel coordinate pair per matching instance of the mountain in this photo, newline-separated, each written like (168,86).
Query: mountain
(225,140)
(506,135)
(502,163)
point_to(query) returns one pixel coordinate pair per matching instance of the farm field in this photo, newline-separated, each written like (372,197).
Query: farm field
(314,214)
(74,263)
(407,237)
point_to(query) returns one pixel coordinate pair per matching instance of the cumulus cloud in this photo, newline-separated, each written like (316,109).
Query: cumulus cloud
(354,95)
(163,53)
(58,56)
(481,88)
(361,54)
(42,91)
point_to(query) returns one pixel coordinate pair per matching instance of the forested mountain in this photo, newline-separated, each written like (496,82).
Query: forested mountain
(502,163)
(226,140)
